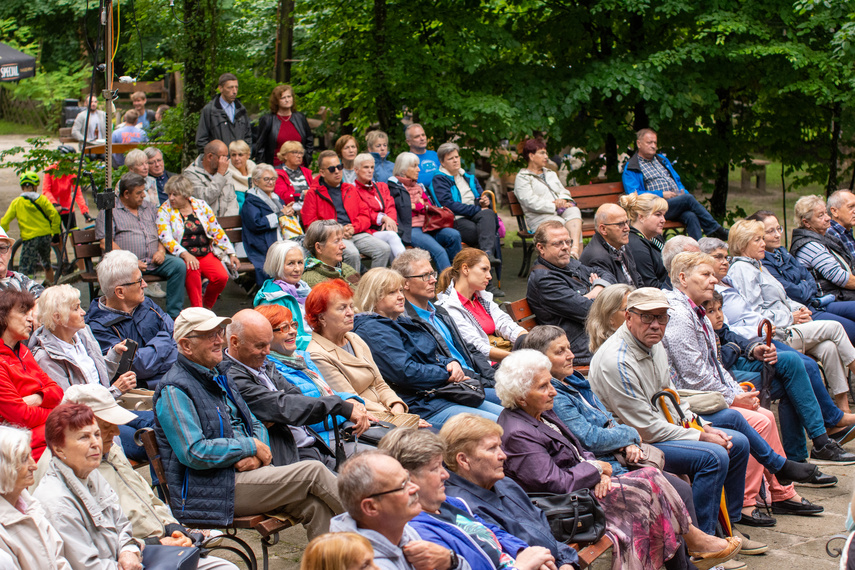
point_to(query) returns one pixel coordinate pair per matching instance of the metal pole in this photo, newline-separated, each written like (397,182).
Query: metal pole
(108,104)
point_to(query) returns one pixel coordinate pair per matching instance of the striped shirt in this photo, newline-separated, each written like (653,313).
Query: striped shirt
(816,256)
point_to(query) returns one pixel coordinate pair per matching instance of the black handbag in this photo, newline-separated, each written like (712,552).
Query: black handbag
(572,517)
(466,393)
(162,557)
(371,436)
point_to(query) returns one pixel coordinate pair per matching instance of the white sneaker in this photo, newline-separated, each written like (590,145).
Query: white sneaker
(155,291)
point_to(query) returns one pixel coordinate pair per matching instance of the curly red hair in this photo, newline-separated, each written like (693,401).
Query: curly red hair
(319,299)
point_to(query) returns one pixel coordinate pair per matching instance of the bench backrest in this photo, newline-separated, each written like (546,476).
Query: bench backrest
(149,441)
(232,225)
(592,196)
(521,313)
(86,246)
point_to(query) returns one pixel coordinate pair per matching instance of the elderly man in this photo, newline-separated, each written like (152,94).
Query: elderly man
(560,289)
(380,501)
(224,118)
(647,171)
(628,370)
(419,290)
(124,312)
(606,251)
(135,230)
(14,279)
(332,199)
(211,181)
(145,117)
(841,208)
(97,128)
(216,451)
(277,402)
(157,170)
(428,159)
(127,133)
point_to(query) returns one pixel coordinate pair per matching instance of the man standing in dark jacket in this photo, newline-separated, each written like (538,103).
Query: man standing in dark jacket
(224,117)
(276,402)
(561,289)
(606,251)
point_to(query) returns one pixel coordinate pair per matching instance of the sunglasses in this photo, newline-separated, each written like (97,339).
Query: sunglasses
(332,169)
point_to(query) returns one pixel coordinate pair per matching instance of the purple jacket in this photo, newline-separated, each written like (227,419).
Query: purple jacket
(540,459)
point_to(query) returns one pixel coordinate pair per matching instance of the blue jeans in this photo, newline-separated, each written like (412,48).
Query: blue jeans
(442,244)
(174,270)
(841,311)
(127,431)
(491,396)
(759,448)
(831,414)
(798,410)
(711,467)
(486,409)
(684,208)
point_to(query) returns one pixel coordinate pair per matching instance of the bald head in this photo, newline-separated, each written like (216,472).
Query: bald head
(613,224)
(213,153)
(249,337)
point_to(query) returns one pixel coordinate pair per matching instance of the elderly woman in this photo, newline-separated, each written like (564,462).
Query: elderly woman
(606,314)
(797,279)
(692,349)
(137,162)
(240,168)
(448,521)
(474,457)
(543,197)
(261,217)
(294,179)
(378,146)
(406,353)
(25,533)
(644,514)
(380,204)
(78,500)
(325,243)
(455,189)
(824,340)
(27,394)
(286,287)
(464,295)
(347,148)
(344,359)
(444,243)
(283,124)
(188,228)
(646,214)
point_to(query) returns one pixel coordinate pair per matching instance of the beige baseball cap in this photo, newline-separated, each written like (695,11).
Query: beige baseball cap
(647,299)
(197,319)
(101,401)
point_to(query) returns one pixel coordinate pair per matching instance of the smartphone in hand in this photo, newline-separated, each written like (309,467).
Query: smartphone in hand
(127,359)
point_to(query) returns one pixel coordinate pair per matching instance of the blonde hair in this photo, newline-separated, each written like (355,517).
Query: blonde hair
(598,324)
(462,434)
(741,234)
(804,208)
(335,551)
(373,286)
(55,305)
(374,137)
(239,145)
(289,146)
(686,263)
(642,205)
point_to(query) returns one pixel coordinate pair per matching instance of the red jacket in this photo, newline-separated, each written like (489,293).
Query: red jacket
(317,205)
(59,191)
(21,376)
(378,200)
(285,190)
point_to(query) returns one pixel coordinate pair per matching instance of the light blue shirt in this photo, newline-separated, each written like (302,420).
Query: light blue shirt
(229,108)
(430,316)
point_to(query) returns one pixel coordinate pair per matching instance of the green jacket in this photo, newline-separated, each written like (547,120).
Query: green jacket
(31,221)
(317,272)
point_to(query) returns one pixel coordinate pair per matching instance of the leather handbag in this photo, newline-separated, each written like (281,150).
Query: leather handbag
(162,557)
(651,456)
(437,218)
(499,342)
(572,517)
(371,436)
(466,393)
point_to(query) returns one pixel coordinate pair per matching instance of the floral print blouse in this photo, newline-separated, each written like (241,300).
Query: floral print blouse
(170,228)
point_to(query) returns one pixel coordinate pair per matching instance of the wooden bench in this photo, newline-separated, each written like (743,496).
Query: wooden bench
(594,555)
(233,226)
(267,527)
(523,232)
(592,196)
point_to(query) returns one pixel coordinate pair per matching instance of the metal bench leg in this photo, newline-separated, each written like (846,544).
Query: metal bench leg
(266,543)
(245,552)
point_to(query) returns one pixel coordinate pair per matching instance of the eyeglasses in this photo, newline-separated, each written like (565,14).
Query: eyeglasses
(5,248)
(297,152)
(286,327)
(424,276)
(269,179)
(648,318)
(722,257)
(132,283)
(212,335)
(562,243)
(389,492)
(772,231)
(623,224)
(332,169)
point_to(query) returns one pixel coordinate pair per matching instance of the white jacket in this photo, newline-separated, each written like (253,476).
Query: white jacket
(469,328)
(29,538)
(534,196)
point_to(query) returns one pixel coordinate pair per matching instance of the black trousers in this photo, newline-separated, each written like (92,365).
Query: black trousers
(479,231)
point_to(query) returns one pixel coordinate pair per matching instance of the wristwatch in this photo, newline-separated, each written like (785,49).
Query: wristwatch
(455,561)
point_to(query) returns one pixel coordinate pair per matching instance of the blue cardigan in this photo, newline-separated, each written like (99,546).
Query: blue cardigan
(382,168)
(444,192)
(795,277)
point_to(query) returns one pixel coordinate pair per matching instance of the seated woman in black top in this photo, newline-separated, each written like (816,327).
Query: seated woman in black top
(646,214)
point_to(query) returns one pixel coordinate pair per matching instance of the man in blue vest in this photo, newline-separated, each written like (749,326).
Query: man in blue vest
(216,453)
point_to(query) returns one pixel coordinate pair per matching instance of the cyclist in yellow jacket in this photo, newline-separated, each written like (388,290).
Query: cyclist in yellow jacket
(38,221)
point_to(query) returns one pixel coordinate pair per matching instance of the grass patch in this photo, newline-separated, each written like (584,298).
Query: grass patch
(9,128)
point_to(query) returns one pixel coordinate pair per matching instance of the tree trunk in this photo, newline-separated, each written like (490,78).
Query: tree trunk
(284,41)
(195,68)
(611,158)
(723,131)
(383,102)
(832,185)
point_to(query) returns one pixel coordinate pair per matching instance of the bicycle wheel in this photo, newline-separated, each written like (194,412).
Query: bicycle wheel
(15,261)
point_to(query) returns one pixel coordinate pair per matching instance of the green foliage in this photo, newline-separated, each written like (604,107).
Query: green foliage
(39,156)
(171,129)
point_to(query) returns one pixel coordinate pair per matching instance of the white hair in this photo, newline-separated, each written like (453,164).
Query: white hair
(404,162)
(135,157)
(116,267)
(516,375)
(152,152)
(14,451)
(360,158)
(675,245)
(55,305)
(259,171)
(274,263)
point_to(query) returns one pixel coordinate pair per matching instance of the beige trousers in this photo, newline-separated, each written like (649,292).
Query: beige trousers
(826,341)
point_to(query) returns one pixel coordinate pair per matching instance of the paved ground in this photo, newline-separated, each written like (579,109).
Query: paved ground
(796,542)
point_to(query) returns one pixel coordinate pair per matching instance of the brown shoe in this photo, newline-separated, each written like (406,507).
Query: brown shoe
(706,560)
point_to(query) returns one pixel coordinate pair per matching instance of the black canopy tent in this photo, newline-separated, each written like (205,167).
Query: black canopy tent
(15,65)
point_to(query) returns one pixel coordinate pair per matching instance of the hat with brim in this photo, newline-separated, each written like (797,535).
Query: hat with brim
(101,401)
(197,319)
(5,237)
(647,299)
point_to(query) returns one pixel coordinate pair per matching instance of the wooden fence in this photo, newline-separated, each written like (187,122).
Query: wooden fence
(28,112)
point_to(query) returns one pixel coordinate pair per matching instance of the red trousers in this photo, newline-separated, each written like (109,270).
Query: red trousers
(211,268)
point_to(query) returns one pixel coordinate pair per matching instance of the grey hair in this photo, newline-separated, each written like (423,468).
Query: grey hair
(403,264)
(413,448)
(320,231)
(407,130)
(360,158)
(446,149)
(55,305)
(179,184)
(516,375)
(14,451)
(836,199)
(357,480)
(540,337)
(404,162)
(259,171)
(135,157)
(710,244)
(675,245)
(152,152)
(274,263)
(116,267)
